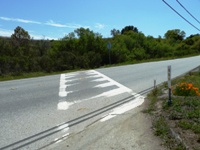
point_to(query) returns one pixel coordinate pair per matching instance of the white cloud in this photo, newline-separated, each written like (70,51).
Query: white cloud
(99,26)
(20,20)
(52,23)
(49,23)
(73,26)
(39,37)
(7,33)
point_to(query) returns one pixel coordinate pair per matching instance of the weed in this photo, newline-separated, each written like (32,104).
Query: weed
(196,128)
(151,106)
(155,92)
(161,127)
(184,124)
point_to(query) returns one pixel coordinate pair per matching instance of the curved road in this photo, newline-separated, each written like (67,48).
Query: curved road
(35,112)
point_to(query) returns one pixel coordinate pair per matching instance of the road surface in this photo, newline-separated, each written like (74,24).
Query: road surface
(40,111)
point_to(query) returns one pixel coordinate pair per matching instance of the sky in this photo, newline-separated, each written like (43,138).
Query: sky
(54,19)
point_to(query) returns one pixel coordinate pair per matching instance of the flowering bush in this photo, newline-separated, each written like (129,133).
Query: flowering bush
(186,89)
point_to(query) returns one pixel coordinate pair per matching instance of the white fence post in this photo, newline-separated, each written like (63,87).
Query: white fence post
(169,84)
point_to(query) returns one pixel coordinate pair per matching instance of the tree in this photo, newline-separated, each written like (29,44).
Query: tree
(20,36)
(115,32)
(5,56)
(175,35)
(70,36)
(129,28)
(21,49)
(83,32)
(196,46)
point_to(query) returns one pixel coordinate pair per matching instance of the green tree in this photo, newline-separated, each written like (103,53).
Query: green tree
(129,28)
(115,32)
(175,35)
(196,46)
(21,49)
(119,51)
(5,56)
(20,36)
(182,49)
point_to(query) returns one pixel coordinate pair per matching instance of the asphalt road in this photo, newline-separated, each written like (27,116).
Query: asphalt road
(39,111)
(141,76)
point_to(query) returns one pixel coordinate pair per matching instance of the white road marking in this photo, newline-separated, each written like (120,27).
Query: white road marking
(94,76)
(71,80)
(90,72)
(58,140)
(63,105)
(114,82)
(63,86)
(64,127)
(64,79)
(69,76)
(111,93)
(98,80)
(107,82)
(124,108)
(64,93)
(104,85)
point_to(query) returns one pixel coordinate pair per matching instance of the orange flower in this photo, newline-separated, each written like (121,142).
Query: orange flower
(186,89)
(195,89)
(190,85)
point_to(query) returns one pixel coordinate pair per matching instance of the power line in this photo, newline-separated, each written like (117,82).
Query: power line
(181,15)
(188,11)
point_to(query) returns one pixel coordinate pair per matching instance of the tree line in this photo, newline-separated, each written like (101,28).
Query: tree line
(85,49)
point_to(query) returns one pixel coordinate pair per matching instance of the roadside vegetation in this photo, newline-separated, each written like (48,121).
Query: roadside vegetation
(20,55)
(177,124)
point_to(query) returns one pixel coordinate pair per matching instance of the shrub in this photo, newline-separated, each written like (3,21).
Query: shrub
(186,89)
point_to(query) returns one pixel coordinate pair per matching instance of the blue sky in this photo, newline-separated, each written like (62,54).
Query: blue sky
(53,19)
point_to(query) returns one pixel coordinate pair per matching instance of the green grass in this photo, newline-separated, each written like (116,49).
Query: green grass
(192,77)
(186,111)
(161,127)
(153,96)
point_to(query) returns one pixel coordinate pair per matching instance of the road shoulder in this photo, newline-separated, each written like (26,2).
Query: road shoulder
(128,131)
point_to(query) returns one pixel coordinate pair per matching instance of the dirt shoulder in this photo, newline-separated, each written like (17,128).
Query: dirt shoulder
(129,131)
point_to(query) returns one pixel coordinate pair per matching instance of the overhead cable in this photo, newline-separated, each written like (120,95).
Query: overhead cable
(181,15)
(188,11)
